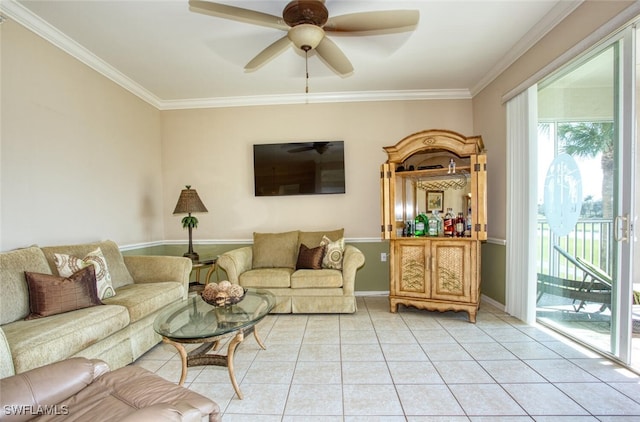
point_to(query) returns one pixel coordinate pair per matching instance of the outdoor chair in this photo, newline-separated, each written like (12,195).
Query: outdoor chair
(595,285)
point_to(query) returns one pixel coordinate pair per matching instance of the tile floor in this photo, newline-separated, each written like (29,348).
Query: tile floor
(410,366)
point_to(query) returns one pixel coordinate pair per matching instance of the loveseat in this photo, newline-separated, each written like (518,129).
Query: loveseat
(116,328)
(79,389)
(308,272)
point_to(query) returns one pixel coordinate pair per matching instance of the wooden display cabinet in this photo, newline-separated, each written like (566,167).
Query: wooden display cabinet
(434,272)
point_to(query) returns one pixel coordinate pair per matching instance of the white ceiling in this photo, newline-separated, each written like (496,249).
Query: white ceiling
(175,58)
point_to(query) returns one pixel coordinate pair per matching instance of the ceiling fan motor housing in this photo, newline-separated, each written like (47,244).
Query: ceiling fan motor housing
(311,12)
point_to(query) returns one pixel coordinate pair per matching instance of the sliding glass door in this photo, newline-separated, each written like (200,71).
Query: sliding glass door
(585,192)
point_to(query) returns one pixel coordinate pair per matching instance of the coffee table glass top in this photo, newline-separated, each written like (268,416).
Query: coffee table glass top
(196,319)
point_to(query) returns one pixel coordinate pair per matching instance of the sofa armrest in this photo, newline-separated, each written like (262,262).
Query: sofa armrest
(151,269)
(235,262)
(6,359)
(47,385)
(352,260)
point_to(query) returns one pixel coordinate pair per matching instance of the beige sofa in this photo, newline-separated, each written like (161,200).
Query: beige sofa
(276,262)
(79,389)
(117,332)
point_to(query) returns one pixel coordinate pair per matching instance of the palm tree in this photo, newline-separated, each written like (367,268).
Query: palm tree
(587,139)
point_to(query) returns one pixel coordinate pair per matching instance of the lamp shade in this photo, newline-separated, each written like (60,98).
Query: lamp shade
(189,202)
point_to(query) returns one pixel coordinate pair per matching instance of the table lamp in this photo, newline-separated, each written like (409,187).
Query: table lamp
(189,202)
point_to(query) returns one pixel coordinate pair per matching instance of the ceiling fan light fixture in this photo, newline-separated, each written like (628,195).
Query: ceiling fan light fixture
(306,36)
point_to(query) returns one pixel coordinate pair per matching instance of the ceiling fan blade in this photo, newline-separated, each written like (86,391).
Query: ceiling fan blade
(268,53)
(334,57)
(373,21)
(238,14)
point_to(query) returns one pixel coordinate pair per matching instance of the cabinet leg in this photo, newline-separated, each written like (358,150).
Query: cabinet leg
(393,307)
(472,316)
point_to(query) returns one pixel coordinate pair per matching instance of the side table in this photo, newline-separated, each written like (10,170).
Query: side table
(198,266)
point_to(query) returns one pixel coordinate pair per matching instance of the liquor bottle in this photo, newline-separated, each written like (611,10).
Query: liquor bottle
(440,224)
(420,228)
(433,224)
(467,230)
(460,225)
(449,220)
(411,228)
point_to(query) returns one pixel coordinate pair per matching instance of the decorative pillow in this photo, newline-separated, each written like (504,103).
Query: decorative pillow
(275,250)
(333,253)
(51,295)
(310,258)
(313,239)
(68,264)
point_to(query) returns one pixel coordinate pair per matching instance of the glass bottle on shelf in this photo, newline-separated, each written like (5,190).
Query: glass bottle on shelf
(449,221)
(421,223)
(440,224)
(433,224)
(460,225)
(467,229)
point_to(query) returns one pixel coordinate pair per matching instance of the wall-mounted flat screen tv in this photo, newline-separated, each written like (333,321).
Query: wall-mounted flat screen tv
(299,168)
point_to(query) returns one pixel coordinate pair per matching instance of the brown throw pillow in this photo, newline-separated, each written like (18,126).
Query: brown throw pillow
(310,259)
(51,295)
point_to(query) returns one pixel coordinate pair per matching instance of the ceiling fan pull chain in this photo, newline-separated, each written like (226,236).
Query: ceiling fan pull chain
(306,70)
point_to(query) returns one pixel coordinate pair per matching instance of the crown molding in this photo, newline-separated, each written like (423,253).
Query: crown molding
(34,23)
(317,98)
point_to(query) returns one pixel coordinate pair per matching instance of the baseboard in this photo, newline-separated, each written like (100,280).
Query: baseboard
(372,293)
(492,302)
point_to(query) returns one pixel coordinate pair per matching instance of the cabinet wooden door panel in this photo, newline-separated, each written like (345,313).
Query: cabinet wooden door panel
(451,270)
(412,278)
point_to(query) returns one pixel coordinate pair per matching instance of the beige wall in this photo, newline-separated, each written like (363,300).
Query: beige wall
(211,149)
(80,156)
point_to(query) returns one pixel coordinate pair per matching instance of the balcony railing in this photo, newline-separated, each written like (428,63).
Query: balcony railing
(590,240)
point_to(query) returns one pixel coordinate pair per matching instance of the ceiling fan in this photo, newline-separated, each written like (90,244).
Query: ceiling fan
(319,147)
(306,22)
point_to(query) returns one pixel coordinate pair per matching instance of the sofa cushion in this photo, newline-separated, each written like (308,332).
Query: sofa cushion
(69,264)
(143,299)
(116,395)
(310,258)
(120,275)
(275,250)
(52,295)
(44,340)
(333,254)
(313,239)
(13,264)
(266,277)
(304,279)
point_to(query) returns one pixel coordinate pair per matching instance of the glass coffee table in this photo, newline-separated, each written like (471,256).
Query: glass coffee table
(195,321)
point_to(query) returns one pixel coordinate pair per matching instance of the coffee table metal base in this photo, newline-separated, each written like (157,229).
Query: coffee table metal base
(201,356)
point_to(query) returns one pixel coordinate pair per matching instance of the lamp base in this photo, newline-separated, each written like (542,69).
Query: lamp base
(194,256)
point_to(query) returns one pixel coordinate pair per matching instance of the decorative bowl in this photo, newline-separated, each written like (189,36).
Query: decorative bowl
(224,300)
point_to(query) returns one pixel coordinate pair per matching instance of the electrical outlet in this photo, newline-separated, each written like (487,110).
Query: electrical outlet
(383,257)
